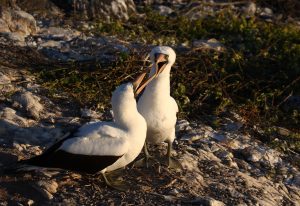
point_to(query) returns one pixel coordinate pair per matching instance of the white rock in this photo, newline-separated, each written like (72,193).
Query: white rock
(58,33)
(49,185)
(17,23)
(88,113)
(181,125)
(212,44)
(164,10)
(9,116)
(4,79)
(30,102)
(51,43)
(18,146)
(268,11)
(207,201)
(250,8)
(30,202)
(192,137)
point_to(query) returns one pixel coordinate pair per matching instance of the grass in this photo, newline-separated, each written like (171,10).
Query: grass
(258,71)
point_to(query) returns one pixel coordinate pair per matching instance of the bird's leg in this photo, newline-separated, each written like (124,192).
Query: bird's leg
(146,159)
(118,185)
(172,162)
(147,155)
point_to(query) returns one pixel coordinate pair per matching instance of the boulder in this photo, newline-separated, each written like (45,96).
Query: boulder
(17,24)
(103,9)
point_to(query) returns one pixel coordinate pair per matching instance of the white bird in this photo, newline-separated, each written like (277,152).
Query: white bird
(156,105)
(101,146)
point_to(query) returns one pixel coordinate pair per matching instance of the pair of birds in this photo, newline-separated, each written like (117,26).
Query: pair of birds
(108,146)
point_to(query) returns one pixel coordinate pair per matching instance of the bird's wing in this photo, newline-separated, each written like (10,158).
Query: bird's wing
(104,140)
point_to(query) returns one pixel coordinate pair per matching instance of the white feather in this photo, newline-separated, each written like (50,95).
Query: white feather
(156,105)
(124,136)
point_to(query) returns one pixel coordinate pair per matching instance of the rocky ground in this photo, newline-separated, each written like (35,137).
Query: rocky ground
(227,165)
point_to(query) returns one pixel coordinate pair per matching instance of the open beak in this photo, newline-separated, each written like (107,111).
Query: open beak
(161,61)
(138,86)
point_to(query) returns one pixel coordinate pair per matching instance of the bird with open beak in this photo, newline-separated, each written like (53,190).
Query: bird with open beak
(156,104)
(100,146)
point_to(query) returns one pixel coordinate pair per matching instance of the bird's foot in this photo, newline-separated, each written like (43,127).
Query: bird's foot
(116,183)
(172,163)
(146,162)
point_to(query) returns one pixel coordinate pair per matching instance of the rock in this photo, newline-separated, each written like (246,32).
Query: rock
(191,137)
(233,126)
(182,125)
(267,157)
(49,185)
(283,131)
(4,79)
(45,8)
(115,9)
(51,43)
(88,113)
(17,24)
(206,201)
(45,193)
(218,137)
(11,119)
(250,9)
(30,202)
(266,13)
(164,10)
(18,147)
(58,34)
(30,103)
(211,44)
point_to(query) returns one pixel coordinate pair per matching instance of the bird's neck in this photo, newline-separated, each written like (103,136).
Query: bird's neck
(160,84)
(128,117)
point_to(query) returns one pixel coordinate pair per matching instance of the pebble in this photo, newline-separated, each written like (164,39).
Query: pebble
(164,10)
(49,185)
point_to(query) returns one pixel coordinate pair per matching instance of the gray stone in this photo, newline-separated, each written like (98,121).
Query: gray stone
(58,33)
(115,9)
(30,102)
(218,137)
(283,131)
(206,201)
(9,117)
(88,113)
(266,13)
(51,43)
(250,9)
(49,185)
(211,44)
(181,125)
(234,126)
(30,202)
(164,10)
(18,22)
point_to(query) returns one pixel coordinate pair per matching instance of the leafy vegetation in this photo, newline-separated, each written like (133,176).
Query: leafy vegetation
(256,73)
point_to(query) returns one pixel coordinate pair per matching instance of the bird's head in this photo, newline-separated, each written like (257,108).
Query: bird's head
(162,58)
